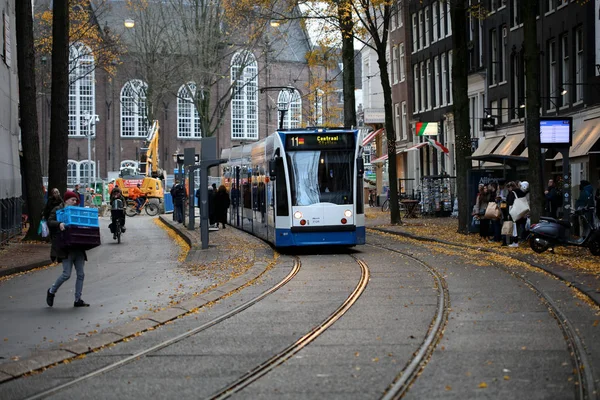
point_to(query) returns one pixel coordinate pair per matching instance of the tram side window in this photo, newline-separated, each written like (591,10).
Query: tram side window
(282,206)
(360,203)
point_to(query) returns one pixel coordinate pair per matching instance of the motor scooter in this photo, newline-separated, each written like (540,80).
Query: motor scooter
(551,232)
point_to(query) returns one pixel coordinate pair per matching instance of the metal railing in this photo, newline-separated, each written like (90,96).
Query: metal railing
(11,218)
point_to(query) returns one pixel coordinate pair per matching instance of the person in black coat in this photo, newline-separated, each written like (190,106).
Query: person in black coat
(221,205)
(70,257)
(54,200)
(179,195)
(553,199)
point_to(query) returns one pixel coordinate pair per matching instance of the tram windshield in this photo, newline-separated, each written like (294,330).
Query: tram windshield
(321,177)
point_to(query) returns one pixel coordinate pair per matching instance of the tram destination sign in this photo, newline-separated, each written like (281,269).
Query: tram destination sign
(556,131)
(320,141)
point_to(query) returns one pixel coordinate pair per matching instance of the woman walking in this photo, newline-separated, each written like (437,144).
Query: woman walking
(54,200)
(70,257)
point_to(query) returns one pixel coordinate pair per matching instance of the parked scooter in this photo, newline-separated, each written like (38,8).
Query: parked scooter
(550,232)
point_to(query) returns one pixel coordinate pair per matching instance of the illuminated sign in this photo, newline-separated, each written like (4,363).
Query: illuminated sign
(556,132)
(427,128)
(319,141)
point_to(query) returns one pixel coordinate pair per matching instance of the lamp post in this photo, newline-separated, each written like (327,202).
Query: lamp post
(282,104)
(91,120)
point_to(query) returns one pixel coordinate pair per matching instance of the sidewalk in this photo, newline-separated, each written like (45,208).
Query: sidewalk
(18,257)
(232,260)
(574,265)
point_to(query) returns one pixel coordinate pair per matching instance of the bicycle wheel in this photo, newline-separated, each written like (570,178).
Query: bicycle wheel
(130,210)
(385,206)
(151,209)
(117,224)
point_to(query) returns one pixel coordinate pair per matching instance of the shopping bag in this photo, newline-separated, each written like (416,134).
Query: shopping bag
(492,211)
(43,230)
(520,208)
(507,228)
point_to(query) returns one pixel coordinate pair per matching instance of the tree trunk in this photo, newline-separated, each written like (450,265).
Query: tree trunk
(532,128)
(32,171)
(347,29)
(460,109)
(59,114)
(390,135)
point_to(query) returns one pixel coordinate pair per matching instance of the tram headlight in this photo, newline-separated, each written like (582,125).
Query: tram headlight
(347,213)
(298,215)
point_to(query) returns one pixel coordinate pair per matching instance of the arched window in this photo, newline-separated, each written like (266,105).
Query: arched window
(87,171)
(134,109)
(293,115)
(188,120)
(244,104)
(81,91)
(72,173)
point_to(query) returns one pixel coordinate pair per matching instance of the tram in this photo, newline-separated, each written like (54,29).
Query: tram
(298,187)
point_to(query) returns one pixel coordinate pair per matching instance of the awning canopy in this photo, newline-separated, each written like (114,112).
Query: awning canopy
(584,139)
(487,146)
(384,157)
(415,147)
(369,138)
(381,159)
(509,145)
(511,161)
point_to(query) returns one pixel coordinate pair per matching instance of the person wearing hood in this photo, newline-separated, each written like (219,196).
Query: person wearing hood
(586,199)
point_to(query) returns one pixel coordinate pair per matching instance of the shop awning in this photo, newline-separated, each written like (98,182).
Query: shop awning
(509,145)
(487,146)
(369,138)
(584,139)
(381,159)
(415,147)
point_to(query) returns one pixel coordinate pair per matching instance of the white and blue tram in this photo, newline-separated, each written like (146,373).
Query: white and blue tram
(299,187)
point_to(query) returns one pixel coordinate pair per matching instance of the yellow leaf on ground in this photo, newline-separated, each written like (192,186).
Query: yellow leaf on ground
(506,378)
(482,385)
(448,387)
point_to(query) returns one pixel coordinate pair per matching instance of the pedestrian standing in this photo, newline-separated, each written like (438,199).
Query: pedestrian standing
(496,224)
(553,199)
(179,196)
(481,205)
(221,205)
(70,257)
(54,200)
(514,193)
(211,207)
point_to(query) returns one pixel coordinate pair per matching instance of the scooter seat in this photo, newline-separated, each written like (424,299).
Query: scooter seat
(566,224)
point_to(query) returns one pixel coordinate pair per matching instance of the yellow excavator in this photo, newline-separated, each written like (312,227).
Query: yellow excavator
(149,175)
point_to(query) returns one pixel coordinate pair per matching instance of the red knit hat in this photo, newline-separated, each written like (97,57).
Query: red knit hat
(69,194)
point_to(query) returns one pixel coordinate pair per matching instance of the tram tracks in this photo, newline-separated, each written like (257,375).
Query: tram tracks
(584,383)
(256,373)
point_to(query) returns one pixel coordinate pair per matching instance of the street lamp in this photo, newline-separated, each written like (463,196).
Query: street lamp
(91,121)
(283,100)
(129,23)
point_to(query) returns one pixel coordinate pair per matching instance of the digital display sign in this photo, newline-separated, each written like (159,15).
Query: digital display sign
(319,141)
(556,131)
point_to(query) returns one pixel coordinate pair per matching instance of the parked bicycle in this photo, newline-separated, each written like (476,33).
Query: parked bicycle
(150,208)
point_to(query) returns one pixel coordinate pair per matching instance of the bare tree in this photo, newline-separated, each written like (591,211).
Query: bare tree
(32,171)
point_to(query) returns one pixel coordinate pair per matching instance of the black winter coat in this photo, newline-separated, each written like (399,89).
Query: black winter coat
(221,206)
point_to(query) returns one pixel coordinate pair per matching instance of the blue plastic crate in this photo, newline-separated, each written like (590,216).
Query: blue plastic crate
(78,216)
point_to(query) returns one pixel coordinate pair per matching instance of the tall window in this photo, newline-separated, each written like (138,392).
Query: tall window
(293,116)
(552,69)
(416,87)
(80,172)
(427,30)
(72,174)
(404,121)
(502,58)
(81,91)
(188,120)
(444,79)
(450,95)
(436,80)
(319,107)
(395,64)
(448,21)
(494,56)
(244,104)
(516,12)
(436,22)
(402,63)
(415,33)
(423,88)
(579,66)
(442,19)
(134,109)
(421,30)
(565,71)
(550,5)
(397,126)
(429,87)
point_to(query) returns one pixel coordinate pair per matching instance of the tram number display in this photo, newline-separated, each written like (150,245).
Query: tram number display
(334,141)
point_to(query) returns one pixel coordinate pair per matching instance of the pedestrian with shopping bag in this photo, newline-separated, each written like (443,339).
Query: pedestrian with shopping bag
(70,257)
(518,208)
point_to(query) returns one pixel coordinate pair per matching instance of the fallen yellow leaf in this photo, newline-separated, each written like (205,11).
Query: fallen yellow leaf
(482,385)
(506,378)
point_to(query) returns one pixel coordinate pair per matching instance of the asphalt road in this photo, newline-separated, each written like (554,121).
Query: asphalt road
(122,281)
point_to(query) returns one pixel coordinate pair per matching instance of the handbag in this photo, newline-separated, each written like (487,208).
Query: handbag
(507,228)
(43,230)
(492,211)
(520,208)
(474,227)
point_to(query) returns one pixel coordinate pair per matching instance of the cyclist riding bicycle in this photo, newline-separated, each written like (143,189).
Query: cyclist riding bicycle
(117,203)
(139,197)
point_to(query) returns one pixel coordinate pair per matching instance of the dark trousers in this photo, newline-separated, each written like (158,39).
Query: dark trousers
(497,229)
(484,228)
(178,211)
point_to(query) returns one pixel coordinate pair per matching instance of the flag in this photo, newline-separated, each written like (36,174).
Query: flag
(426,128)
(438,146)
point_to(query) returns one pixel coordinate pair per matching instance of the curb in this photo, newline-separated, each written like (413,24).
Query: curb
(24,268)
(590,292)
